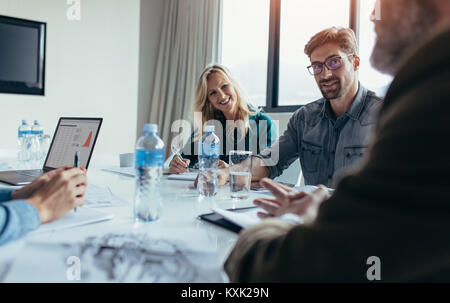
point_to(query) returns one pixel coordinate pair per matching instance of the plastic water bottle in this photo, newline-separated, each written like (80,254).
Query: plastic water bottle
(24,132)
(37,129)
(149,161)
(36,132)
(208,159)
(32,147)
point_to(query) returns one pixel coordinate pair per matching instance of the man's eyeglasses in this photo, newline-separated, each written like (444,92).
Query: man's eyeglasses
(332,63)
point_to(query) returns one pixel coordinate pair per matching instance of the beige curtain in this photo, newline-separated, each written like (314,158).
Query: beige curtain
(190,40)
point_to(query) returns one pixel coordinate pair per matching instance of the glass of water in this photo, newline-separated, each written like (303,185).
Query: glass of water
(240,173)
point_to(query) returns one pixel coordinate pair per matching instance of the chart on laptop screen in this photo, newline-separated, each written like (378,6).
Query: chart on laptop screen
(72,136)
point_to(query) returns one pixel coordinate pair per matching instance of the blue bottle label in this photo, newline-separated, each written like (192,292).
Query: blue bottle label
(149,157)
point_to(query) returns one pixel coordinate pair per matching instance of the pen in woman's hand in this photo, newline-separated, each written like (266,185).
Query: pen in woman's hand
(178,154)
(183,164)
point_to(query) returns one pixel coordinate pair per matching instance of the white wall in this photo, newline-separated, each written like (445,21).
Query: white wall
(91,70)
(103,65)
(150,34)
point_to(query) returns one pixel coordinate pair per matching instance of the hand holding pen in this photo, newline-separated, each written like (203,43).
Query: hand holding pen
(179,165)
(56,192)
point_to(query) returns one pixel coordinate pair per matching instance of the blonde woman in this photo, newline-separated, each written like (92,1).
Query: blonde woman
(218,97)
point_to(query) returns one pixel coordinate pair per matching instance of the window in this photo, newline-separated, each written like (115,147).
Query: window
(369,77)
(299,21)
(263,46)
(245,40)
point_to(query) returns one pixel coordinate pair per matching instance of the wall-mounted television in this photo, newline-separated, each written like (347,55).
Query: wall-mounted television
(22,56)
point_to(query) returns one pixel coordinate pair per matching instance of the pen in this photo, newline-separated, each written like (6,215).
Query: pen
(76,163)
(179,155)
(182,159)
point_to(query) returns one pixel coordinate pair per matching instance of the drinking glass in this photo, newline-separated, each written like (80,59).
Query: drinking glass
(240,173)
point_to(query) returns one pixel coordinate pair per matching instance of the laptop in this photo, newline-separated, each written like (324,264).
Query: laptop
(72,135)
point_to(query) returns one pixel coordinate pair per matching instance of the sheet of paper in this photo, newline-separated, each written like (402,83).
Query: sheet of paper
(97,196)
(126,171)
(190,176)
(243,219)
(5,166)
(116,257)
(82,216)
(8,253)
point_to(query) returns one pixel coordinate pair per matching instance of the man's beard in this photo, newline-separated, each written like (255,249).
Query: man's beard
(403,24)
(333,93)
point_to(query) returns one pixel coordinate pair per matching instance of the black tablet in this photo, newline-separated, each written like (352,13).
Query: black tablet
(219,220)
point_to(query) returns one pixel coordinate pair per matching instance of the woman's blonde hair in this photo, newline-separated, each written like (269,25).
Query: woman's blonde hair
(202,104)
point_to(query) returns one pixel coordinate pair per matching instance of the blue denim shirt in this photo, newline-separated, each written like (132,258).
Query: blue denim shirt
(16,217)
(326,147)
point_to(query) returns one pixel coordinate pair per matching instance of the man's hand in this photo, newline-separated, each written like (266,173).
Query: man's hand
(28,190)
(223,173)
(56,192)
(259,171)
(179,166)
(303,204)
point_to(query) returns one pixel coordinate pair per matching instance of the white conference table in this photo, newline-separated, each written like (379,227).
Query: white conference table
(181,208)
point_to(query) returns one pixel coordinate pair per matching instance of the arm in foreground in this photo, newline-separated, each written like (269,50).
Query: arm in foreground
(48,198)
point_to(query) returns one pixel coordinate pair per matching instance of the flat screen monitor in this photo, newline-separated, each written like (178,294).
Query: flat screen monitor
(22,56)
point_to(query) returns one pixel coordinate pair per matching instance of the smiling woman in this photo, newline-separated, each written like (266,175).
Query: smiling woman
(222,95)
(217,91)
(219,99)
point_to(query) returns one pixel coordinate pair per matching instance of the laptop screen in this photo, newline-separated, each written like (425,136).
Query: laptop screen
(72,135)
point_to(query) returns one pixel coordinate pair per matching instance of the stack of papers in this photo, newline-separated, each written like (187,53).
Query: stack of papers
(96,196)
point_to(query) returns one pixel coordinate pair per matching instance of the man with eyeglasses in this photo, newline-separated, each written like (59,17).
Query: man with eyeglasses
(332,134)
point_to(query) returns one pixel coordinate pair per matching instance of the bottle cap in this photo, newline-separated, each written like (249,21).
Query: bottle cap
(36,122)
(150,128)
(209,128)
(24,122)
